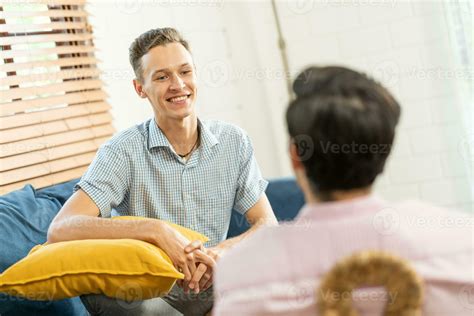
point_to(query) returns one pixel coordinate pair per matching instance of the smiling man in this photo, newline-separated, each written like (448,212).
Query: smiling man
(173,167)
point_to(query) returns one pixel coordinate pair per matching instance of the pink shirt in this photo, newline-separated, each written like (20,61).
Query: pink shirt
(277,270)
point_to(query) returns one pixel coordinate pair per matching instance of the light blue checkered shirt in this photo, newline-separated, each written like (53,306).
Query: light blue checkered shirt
(137,173)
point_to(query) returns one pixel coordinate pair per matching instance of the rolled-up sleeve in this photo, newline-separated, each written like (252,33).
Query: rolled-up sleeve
(250,184)
(106,180)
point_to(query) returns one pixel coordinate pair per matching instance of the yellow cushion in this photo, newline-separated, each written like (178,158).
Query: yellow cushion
(127,269)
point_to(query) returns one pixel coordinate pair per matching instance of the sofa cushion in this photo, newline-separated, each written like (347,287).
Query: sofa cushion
(112,267)
(285,197)
(25,216)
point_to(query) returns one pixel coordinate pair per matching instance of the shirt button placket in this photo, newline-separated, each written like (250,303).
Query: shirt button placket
(187,197)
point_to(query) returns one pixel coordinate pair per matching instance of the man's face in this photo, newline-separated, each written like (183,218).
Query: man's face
(169,81)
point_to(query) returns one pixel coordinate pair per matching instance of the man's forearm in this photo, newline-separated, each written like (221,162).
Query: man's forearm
(260,214)
(89,227)
(229,243)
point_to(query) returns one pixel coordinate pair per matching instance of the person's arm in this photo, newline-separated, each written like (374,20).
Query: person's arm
(258,215)
(78,219)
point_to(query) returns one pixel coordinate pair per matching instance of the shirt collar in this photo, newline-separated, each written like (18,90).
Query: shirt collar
(367,204)
(158,139)
(208,139)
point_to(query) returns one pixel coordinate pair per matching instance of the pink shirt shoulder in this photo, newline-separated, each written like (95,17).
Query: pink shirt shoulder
(276,271)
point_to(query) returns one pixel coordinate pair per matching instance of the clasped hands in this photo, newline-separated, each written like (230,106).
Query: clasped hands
(198,268)
(190,258)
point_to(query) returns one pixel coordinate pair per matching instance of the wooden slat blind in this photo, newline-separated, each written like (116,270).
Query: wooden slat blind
(53,109)
(46,51)
(28,39)
(58,13)
(63,62)
(42,27)
(63,74)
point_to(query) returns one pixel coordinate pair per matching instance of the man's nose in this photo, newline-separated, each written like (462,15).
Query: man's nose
(177,83)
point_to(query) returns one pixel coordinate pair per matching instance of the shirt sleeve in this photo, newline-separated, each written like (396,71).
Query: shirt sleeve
(250,184)
(106,180)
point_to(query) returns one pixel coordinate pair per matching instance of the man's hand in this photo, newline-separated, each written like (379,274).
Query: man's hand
(258,215)
(173,244)
(202,278)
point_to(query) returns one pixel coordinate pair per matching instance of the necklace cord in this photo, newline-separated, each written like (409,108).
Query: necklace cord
(194,146)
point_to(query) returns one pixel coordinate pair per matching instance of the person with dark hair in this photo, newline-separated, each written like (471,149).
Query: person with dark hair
(342,126)
(173,167)
(351,122)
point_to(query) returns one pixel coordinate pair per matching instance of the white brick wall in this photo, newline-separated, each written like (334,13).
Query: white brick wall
(415,169)
(446,190)
(405,44)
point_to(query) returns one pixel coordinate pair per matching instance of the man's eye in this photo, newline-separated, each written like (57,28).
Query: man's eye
(160,78)
(186,72)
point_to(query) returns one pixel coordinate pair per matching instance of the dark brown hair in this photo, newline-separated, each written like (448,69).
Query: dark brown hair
(347,123)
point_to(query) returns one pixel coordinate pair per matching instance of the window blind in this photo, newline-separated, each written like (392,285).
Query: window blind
(53,109)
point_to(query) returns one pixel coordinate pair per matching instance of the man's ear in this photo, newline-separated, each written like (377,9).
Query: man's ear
(295,158)
(139,89)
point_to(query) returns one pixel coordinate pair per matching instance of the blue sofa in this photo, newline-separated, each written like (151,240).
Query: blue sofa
(25,216)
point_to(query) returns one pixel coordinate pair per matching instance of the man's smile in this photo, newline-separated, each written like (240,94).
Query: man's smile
(179,99)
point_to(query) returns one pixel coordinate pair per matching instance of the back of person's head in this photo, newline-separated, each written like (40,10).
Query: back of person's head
(349,121)
(152,38)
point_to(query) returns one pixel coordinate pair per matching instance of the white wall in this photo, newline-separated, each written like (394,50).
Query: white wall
(405,44)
